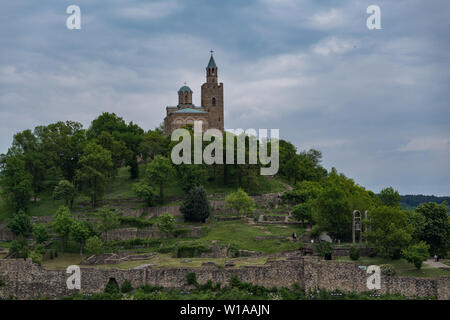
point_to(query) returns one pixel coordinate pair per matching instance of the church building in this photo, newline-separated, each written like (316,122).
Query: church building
(210,112)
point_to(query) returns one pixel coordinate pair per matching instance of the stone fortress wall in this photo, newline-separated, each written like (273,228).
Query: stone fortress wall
(25,280)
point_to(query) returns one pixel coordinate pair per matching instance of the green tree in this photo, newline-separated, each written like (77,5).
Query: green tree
(94,245)
(154,143)
(62,222)
(390,231)
(65,190)
(303,212)
(195,206)
(20,223)
(62,146)
(15,181)
(159,172)
(390,197)
(80,233)
(190,175)
(19,247)
(28,145)
(417,253)
(334,212)
(107,219)
(436,231)
(145,192)
(324,250)
(166,223)
(40,233)
(241,202)
(95,171)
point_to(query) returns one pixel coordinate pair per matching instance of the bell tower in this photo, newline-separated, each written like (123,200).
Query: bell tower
(212,96)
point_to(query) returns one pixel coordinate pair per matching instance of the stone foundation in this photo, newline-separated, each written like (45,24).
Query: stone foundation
(25,280)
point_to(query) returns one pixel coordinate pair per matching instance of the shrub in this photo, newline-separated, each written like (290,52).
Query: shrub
(112,287)
(126,286)
(36,257)
(302,212)
(196,206)
(315,231)
(40,233)
(355,253)
(40,249)
(135,222)
(324,250)
(180,232)
(387,270)
(189,250)
(417,253)
(241,202)
(145,192)
(191,279)
(166,223)
(94,245)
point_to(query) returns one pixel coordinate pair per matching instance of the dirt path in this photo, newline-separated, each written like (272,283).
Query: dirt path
(433,264)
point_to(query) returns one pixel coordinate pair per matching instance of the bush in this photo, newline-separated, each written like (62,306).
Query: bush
(180,232)
(126,286)
(146,192)
(135,222)
(112,287)
(355,253)
(191,279)
(36,257)
(324,250)
(196,206)
(40,249)
(166,223)
(241,202)
(387,270)
(189,250)
(315,231)
(417,253)
(94,245)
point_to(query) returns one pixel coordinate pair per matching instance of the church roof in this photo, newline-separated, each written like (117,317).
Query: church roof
(212,63)
(189,110)
(184,89)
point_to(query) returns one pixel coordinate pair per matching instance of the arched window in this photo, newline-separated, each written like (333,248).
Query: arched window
(185,99)
(213,101)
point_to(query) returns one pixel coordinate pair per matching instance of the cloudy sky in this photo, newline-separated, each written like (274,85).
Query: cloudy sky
(375,102)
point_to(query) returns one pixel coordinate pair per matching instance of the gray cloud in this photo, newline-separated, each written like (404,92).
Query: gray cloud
(375,102)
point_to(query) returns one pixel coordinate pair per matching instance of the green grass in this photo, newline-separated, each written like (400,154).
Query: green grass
(62,261)
(242,236)
(403,267)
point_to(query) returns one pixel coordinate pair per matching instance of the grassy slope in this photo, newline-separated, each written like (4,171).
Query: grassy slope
(121,188)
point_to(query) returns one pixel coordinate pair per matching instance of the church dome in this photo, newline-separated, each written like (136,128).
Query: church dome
(185,89)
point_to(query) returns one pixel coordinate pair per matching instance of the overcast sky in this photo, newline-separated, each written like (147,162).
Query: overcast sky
(375,102)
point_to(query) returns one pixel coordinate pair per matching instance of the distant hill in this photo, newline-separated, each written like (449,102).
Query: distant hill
(410,201)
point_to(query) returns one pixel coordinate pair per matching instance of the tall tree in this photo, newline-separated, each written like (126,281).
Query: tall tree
(436,230)
(80,233)
(95,171)
(390,231)
(107,219)
(159,172)
(65,190)
(62,145)
(15,181)
(62,222)
(390,197)
(33,156)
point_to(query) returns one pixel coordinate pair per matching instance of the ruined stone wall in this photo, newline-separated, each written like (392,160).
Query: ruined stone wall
(135,233)
(24,280)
